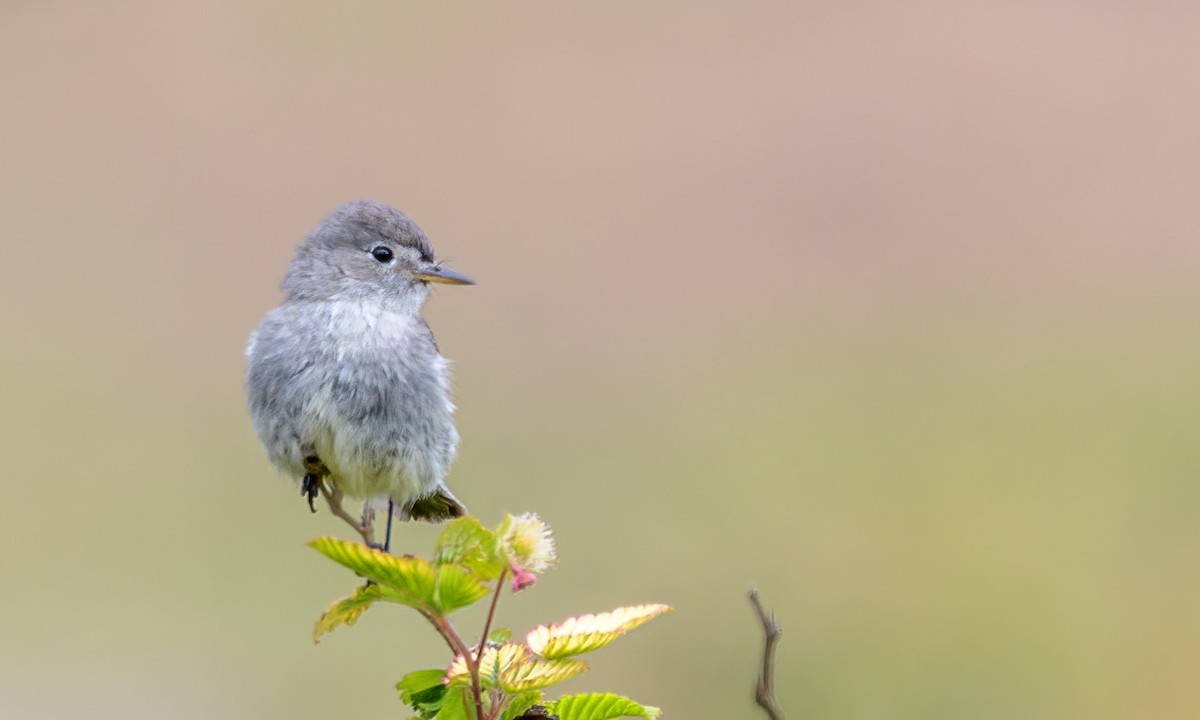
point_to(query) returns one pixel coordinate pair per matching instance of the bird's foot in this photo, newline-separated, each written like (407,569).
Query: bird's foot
(314,475)
(318,481)
(310,488)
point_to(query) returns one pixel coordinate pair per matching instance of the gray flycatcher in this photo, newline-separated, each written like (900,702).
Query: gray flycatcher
(348,392)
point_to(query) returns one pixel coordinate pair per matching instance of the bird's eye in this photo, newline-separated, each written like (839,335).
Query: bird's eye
(382,254)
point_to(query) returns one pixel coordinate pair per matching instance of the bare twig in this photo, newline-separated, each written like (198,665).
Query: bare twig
(764,690)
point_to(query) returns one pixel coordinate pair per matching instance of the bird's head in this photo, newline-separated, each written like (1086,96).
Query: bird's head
(367,250)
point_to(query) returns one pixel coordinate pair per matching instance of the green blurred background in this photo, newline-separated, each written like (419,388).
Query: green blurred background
(887,309)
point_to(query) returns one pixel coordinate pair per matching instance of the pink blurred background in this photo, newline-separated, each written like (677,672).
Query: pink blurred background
(887,309)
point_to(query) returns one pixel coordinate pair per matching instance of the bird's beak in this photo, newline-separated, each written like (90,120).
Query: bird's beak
(446,276)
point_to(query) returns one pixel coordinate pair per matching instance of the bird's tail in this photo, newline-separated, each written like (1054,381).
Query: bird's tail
(441,505)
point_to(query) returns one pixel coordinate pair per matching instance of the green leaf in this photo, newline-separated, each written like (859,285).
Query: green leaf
(411,580)
(427,704)
(346,611)
(466,542)
(456,587)
(406,580)
(454,705)
(599,706)
(500,636)
(423,691)
(420,681)
(578,635)
(519,703)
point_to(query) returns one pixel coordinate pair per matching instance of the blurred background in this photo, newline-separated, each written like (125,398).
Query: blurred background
(889,310)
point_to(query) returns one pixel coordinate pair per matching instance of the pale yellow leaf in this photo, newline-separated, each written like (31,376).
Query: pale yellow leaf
(586,633)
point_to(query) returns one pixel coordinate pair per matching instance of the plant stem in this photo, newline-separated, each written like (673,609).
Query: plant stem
(487,628)
(455,641)
(450,635)
(497,700)
(487,625)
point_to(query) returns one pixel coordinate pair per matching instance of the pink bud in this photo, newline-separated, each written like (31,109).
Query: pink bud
(522,579)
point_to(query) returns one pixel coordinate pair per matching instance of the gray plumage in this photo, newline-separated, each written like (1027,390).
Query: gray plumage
(346,369)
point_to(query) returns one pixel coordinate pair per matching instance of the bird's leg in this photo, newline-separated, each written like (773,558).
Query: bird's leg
(317,480)
(387,537)
(333,496)
(368,521)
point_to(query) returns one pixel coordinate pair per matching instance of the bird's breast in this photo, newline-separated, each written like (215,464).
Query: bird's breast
(384,416)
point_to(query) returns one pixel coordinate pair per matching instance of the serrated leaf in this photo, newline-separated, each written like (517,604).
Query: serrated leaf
(454,706)
(412,579)
(407,580)
(427,704)
(578,635)
(456,587)
(599,706)
(514,669)
(493,662)
(418,681)
(465,542)
(521,702)
(346,611)
(423,691)
(537,673)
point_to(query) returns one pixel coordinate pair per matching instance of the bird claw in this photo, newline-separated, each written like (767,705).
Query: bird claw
(310,487)
(313,484)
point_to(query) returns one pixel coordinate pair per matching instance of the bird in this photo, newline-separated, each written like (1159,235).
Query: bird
(347,390)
